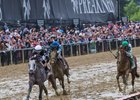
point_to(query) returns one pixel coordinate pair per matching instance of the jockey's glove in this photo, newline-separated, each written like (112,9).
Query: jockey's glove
(58,52)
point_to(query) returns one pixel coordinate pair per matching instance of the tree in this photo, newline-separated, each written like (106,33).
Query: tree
(132,11)
(136,16)
(122,4)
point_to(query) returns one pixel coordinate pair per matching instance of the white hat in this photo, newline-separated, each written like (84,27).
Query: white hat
(38,47)
(53,36)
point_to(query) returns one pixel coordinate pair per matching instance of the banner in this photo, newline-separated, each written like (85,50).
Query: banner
(90,10)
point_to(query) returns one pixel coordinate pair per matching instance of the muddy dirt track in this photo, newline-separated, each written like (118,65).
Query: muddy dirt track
(93,77)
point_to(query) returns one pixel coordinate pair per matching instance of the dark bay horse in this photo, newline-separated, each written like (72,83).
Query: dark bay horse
(58,69)
(37,76)
(124,68)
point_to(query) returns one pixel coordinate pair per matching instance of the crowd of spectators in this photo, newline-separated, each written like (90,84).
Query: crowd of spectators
(19,38)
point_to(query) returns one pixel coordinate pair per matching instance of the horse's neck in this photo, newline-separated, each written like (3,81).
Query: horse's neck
(39,68)
(39,65)
(123,61)
(57,66)
(40,75)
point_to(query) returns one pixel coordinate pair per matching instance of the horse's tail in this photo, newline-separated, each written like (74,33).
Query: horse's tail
(136,73)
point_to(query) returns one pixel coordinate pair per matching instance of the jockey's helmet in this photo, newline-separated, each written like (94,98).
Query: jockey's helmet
(53,36)
(38,48)
(125,43)
(54,45)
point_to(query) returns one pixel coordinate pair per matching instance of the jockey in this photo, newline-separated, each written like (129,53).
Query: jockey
(55,44)
(41,56)
(128,48)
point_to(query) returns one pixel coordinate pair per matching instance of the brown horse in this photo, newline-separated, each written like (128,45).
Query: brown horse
(58,69)
(124,68)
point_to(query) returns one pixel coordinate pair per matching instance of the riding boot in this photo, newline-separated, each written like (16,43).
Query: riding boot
(65,66)
(62,60)
(62,63)
(49,66)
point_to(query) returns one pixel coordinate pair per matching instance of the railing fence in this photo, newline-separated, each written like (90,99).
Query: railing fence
(22,55)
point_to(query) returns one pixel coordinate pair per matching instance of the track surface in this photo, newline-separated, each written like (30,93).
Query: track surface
(93,77)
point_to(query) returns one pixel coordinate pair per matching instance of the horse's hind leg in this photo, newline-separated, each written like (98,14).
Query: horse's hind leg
(67,71)
(67,74)
(133,80)
(117,77)
(29,91)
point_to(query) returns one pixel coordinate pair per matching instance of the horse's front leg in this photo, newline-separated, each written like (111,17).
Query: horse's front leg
(29,90)
(125,79)
(53,82)
(45,90)
(118,82)
(40,92)
(63,86)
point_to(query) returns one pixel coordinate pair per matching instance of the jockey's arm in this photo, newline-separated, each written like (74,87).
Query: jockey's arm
(129,52)
(59,49)
(50,48)
(130,48)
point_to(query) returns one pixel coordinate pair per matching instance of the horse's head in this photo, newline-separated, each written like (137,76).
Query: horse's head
(122,50)
(122,54)
(32,66)
(53,56)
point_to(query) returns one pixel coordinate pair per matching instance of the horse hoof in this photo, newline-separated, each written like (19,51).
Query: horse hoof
(47,98)
(69,82)
(57,94)
(40,98)
(133,90)
(27,98)
(120,90)
(64,92)
(124,93)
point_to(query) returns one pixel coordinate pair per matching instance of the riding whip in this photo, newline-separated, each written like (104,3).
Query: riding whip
(113,54)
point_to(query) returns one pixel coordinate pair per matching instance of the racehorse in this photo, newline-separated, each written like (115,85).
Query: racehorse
(58,69)
(37,76)
(124,68)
